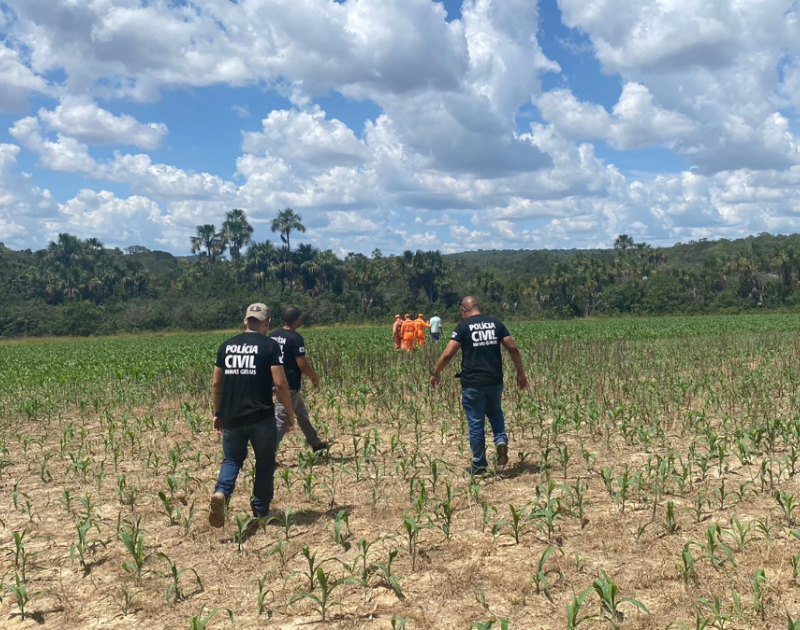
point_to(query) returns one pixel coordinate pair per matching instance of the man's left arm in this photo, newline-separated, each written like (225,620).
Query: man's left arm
(516,356)
(449,352)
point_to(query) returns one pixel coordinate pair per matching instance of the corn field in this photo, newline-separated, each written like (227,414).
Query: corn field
(652,483)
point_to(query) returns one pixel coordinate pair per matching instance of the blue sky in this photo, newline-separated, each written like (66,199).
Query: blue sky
(400,124)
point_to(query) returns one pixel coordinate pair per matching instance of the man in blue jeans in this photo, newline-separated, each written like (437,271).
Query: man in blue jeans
(248,366)
(479,338)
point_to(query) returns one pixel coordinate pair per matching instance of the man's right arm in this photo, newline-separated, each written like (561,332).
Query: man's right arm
(449,352)
(216,393)
(282,391)
(305,368)
(516,356)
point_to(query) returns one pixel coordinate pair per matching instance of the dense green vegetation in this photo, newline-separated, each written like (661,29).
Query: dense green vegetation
(79,287)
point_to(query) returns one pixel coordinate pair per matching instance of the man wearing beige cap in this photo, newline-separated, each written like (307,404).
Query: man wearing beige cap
(248,366)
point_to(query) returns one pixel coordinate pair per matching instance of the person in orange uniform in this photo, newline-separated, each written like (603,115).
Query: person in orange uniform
(421,325)
(408,331)
(396,334)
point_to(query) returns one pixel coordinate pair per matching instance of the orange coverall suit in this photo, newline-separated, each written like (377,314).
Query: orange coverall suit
(396,334)
(421,325)
(408,330)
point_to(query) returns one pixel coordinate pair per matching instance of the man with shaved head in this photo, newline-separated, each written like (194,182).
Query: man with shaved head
(479,338)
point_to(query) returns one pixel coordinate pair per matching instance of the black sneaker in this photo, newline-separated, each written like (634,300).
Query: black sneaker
(502,454)
(320,447)
(475,472)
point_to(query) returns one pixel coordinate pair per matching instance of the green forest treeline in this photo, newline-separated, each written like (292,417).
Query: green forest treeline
(79,287)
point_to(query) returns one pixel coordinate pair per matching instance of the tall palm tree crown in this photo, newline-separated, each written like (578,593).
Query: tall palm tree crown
(209,240)
(237,232)
(287,222)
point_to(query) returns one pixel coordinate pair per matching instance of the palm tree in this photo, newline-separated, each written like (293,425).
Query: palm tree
(67,250)
(209,240)
(593,275)
(261,262)
(287,222)
(237,233)
(305,257)
(365,277)
(330,270)
(135,278)
(623,243)
(70,283)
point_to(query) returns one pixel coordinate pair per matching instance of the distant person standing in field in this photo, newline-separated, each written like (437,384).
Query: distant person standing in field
(420,325)
(436,326)
(479,338)
(295,364)
(248,366)
(408,330)
(397,336)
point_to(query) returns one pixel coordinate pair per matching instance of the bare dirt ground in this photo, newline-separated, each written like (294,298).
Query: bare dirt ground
(479,573)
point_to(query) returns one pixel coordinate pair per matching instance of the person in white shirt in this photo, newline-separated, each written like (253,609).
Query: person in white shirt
(436,326)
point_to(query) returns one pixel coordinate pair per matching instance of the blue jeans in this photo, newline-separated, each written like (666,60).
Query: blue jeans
(263,436)
(482,402)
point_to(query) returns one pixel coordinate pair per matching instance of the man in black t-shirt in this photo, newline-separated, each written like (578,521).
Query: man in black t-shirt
(295,363)
(479,338)
(248,366)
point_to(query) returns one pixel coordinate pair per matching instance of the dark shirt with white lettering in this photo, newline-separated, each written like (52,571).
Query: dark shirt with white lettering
(292,346)
(481,360)
(247,362)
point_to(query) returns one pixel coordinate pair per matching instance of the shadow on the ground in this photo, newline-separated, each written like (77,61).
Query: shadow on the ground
(309,517)
(520,468)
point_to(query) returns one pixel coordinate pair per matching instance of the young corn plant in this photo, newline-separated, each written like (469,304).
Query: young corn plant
(739,533)
(540,575)
(21,594)
(134,543)
(399,623)
(21,553)
(444,513)
(787,504)
(388,578)
(574,617)
(174,588)
(84,544)
(759,586)
(263,592)
(607,590)
(313,565)
(363,554)
(199,622)
(173,513)
(504,624)
(279,549)
(243,524)
(326,587)
(413,527)
(670,525)
(719,618)
(339,537)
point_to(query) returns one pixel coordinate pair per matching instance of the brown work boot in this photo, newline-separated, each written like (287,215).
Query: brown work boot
(216,510)
(502,454)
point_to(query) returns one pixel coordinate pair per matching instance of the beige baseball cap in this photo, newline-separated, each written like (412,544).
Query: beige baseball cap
(258,310)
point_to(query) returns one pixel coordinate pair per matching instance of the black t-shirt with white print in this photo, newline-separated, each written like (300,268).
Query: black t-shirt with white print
(292,346)
(247,361)
(481,359)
